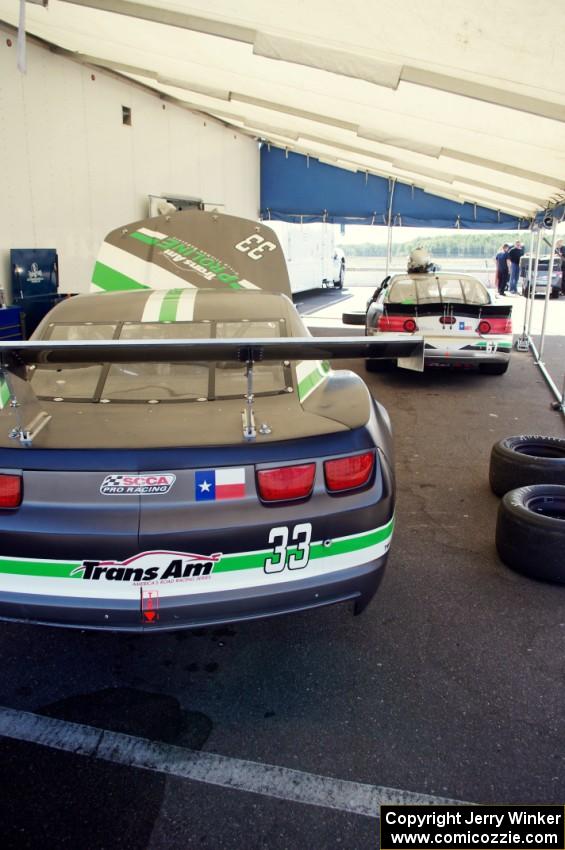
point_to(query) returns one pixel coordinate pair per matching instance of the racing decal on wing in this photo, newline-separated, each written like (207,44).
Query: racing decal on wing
(215,484)
(154,567)
(183,254)
(152,484)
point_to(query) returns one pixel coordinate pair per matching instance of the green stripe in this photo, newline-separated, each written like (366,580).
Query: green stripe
(112,281)
(52,569)
(149,240)
(170,305)
(355,543)
(4,393)
(481,346)
(308,383)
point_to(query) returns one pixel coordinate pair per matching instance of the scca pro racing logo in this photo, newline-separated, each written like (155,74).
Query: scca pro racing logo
(157,567)
(152,484)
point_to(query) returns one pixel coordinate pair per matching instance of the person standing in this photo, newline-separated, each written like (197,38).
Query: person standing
(502,268)
(514,255)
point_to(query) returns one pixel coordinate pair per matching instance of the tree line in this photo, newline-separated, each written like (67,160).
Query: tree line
(456,245)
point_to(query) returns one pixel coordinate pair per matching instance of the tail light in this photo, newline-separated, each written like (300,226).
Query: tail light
(396,324)
(10,491)
(410,326)
(349,473)
(286,483)
(495,326)
(447,320)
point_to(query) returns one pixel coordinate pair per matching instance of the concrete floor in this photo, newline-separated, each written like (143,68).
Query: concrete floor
(450,684)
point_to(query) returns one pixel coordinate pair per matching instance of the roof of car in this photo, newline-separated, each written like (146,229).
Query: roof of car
(175,305)
(441,275)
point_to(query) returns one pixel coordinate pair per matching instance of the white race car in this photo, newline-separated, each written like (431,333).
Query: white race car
(455,313)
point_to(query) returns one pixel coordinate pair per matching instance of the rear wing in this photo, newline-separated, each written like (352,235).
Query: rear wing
(16,391)
(191,249)
(479,311)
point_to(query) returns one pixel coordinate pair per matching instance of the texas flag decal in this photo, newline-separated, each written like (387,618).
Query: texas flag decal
(213,484)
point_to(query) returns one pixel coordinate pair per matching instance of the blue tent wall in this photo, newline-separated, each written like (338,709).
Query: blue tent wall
(299,188)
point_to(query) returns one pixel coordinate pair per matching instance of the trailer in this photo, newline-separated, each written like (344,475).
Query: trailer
(311,255)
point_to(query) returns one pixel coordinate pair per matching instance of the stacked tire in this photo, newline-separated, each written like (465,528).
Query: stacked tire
(528,471)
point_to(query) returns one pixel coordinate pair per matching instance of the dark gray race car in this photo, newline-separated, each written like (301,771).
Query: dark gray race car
(178,457)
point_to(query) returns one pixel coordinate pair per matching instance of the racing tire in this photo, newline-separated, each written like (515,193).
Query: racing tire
(493,368)
(356,318)
(523,460)
(530,531)
(373,365)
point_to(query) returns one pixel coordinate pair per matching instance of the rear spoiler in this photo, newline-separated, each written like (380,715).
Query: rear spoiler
(37,352)
(479,311)
(16,356)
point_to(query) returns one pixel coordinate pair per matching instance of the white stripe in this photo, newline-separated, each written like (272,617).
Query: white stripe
(185,309)
(247,284)
(253,777)
(153,306)
(154,233)
(230,476)
(142,271)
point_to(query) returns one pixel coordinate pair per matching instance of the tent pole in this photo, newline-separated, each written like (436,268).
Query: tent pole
(548,287)
(529,279)
(533,282)
(389,225)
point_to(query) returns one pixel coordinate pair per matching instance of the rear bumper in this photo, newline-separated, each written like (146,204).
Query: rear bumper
(356,584)
(463,356)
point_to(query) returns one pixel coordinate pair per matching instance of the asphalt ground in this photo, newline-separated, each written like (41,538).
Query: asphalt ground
(450,684)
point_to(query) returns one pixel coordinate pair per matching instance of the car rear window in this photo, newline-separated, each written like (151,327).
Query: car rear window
(160,382)
(430,289)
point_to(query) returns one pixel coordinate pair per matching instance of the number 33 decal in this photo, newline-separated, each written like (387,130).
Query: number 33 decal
(299,555)
(255,246)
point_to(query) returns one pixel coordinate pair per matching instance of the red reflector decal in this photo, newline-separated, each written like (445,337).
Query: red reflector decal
(149,605)
(349,473)
(286,482)
(10,491)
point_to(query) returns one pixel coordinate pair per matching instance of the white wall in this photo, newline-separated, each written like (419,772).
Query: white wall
(70,171)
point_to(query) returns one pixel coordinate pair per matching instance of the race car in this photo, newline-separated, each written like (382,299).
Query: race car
(456,314)
(185,456)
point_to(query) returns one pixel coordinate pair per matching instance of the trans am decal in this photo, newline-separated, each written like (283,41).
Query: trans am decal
(154,567)
(184,254)
(155,484)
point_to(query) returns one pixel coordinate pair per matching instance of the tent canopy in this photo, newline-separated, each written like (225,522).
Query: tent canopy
(295,187)
(462,100)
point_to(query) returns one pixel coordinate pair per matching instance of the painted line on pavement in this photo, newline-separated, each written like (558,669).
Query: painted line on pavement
(266,779)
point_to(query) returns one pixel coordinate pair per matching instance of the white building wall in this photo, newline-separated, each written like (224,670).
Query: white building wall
(71,171)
